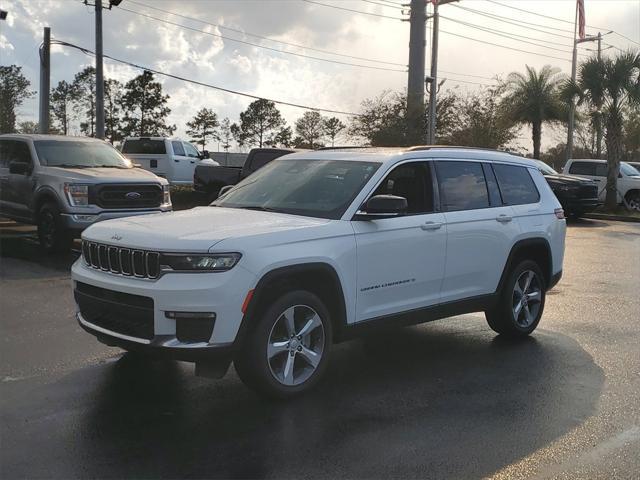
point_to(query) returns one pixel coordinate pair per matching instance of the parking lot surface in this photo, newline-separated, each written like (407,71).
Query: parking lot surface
(447,399)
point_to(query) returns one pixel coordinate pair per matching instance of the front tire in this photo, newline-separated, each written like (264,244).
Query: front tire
(633,200)
(521,301)
(52,234)
(286,352)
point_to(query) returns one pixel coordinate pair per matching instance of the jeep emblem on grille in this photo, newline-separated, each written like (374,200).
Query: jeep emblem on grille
(133,195)
(116,237)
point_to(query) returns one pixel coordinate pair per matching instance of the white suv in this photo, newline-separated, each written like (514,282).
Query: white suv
(628,179)
(320,246)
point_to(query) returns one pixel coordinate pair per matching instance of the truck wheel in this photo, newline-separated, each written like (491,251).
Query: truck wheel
(51,232)
(521,302)
(633,200)
(286,352)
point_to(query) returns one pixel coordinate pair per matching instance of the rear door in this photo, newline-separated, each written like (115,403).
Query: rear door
(594,171)
(192,157)
(150,154)
(480,229)
(400,260)
(16,188)
(180,163)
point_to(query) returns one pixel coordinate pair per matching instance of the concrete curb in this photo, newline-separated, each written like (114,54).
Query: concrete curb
(617,218)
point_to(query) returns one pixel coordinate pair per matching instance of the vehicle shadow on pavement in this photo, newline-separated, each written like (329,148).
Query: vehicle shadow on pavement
(439,400)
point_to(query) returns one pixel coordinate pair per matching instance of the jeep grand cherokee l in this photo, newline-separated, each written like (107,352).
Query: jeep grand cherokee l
(317,247)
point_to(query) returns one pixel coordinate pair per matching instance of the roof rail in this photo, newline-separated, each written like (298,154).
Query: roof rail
(464,147)
(345,147)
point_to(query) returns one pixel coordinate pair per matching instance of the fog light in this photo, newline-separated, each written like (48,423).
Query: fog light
(84,218)
(193,327)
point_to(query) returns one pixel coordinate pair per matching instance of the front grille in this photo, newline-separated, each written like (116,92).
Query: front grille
(126,196)
(588,191)
(118,312)
(122,261)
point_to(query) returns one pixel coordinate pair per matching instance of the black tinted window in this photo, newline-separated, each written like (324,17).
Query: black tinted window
(413,182)
(154,147)
(462,186)
(260,159)
(13,151)
(602,169)
(583,168)
(516,184)
(177,148)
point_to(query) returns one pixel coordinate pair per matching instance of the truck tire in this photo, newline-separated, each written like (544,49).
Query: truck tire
(521,301)
(53,236)
(287,350)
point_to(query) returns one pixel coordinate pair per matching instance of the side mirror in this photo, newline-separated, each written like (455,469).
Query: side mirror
(205,154)
(19,168)
(224,190)
(383,206)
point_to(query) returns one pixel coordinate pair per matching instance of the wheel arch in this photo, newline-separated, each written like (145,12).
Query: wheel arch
(43,196)
(317,277)
(536,249)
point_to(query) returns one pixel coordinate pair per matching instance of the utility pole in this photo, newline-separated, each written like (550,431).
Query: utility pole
(599,111)
(99,73)
(415,85)
(45,81)
(433,79)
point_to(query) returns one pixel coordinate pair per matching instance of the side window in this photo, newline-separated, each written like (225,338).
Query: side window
(413,182)
(191,151)
(602,170)
(516,184)
(583,168)
(14,151)
(177,148)
(492,185)
(462,186)
(260,159)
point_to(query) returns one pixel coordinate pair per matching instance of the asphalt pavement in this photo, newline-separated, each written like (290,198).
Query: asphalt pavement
(447,399)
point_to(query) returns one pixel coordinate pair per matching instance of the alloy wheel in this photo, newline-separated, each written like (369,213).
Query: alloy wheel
(527,297)
(296,344)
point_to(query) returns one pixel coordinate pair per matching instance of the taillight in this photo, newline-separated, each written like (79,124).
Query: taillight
(559,213)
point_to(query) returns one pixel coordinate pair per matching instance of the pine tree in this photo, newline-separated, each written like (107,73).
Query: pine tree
(310,130)
(145,108)
(332,128)
(14,90)
(226,134)
(259,124)
(203,127)
(112,109)
(84,84)
(62,101)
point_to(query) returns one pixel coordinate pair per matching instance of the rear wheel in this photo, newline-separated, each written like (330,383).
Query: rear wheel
(52,234)
(633,200)
(286,352)
(521,301)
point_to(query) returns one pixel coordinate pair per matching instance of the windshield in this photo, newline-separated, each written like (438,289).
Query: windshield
(545,169)
(628,170)
(79,154)
(314,188)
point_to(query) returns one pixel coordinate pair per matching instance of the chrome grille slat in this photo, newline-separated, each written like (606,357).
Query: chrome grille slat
(121,261)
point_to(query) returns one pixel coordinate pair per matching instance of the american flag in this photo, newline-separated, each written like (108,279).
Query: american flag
(581,21)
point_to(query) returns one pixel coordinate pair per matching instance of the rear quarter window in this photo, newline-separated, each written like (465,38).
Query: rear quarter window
(462,186)
(516,185)
(583,168)
(152,147)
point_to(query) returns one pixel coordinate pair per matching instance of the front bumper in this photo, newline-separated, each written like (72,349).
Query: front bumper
(221,293)
(82,220)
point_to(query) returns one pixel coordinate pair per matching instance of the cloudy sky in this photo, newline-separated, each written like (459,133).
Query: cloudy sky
(190,45)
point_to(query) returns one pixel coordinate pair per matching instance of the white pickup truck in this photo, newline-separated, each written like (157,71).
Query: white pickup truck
(170,158)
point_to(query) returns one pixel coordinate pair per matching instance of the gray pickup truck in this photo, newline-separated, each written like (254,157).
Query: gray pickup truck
(64,184)
(209,179)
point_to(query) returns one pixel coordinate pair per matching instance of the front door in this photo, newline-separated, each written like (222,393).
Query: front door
(400,260)
(16,188)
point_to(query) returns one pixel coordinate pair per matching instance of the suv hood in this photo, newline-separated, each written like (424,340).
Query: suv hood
(105,175)
(195,230)
(568,179)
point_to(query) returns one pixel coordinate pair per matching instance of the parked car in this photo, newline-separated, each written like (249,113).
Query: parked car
(628,179)
(170,158)
(64,184)
(208,180)
(635,165)
(318,247)
(577,195)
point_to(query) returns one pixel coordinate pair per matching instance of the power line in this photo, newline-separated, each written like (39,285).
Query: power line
(352,10)
(559,19)
(262,37)
(399,7)
(504,46)
(258,45)
(202,84)
(509,35)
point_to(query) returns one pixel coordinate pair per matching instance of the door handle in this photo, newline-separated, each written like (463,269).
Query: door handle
(431,226)
(504,218)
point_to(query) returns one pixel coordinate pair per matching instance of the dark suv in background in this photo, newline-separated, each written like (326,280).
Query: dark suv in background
(576,195)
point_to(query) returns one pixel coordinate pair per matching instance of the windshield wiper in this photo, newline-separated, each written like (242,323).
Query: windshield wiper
(258,208)
(68,165)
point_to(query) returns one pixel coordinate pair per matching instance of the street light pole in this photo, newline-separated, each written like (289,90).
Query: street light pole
(99,73)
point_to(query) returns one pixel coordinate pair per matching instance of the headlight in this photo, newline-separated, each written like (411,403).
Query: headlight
(166,195)
(78,195)
(199,262)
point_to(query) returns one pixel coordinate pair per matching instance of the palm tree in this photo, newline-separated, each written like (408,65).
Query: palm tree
(609,86)
(532,99)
